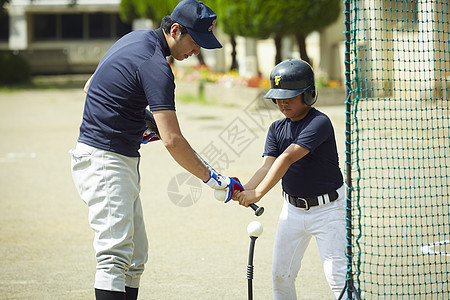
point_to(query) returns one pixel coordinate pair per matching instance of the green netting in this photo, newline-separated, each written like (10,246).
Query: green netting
(398,148)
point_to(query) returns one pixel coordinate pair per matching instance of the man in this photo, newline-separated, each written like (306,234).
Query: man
(132,75)
(301,151)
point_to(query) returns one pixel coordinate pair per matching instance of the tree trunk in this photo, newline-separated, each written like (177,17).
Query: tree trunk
(201,59)
(301,42)
(234,64)
(277,39)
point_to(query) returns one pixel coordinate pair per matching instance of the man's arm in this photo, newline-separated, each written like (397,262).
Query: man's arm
(86,86)
(177,145)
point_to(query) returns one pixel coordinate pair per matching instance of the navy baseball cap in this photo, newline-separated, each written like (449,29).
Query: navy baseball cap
(199,21)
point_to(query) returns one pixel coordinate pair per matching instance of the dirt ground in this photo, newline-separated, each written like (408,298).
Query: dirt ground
(198,251)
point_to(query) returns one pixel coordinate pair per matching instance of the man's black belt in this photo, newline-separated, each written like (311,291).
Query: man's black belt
(307,203)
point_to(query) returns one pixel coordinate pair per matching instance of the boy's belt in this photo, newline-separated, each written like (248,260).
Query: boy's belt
(307,203)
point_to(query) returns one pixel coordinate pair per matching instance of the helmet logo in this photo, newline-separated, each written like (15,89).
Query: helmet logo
(277,79)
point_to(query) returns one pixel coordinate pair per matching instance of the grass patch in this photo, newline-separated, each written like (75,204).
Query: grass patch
(201,99)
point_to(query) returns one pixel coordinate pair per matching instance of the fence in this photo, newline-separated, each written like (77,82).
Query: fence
(398,148)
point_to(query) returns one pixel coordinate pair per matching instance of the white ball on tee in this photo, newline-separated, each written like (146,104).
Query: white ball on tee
(254,229)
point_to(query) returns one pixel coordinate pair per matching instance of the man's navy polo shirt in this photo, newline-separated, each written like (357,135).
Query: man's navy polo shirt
(133,73)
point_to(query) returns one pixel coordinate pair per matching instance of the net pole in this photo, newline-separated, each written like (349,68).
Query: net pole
(349,285)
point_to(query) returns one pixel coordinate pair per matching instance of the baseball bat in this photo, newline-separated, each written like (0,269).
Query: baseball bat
(151,123)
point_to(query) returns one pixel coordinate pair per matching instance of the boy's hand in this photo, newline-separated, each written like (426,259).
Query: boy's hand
(248,197)
(235,196)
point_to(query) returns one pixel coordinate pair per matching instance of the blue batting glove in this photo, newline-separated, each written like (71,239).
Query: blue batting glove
(149,136)
(219,182)
(216,181)
(234,185)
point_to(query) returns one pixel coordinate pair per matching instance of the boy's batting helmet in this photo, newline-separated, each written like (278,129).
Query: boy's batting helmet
(291,78)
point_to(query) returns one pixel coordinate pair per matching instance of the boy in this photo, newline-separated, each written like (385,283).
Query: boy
(301,150)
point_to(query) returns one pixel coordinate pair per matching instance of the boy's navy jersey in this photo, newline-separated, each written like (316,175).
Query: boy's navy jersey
(316,173)
(134,73)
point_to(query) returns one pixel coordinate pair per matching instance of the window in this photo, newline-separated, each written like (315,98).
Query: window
(44,27)
(72,26)
(51,27)
(121,28)
(4,27)
(99,26)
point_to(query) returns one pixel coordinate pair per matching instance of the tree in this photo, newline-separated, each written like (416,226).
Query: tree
(242,18)
(305,16)
(154,10)
(262,19)
(2,6)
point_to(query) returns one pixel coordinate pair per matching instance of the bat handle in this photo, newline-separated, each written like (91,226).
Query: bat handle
(258,210)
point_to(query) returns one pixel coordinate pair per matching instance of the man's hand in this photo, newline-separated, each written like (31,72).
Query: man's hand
(149,136)
(219,182)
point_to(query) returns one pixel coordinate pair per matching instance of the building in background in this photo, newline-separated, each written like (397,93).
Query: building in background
(57,36)
(71,36)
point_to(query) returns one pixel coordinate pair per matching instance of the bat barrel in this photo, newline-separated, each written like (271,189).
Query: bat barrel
(258,210)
